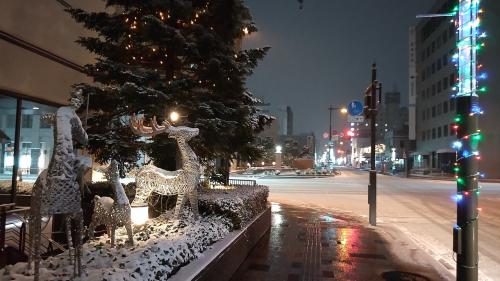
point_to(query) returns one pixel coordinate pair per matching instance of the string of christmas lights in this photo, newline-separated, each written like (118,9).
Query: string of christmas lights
(470,40)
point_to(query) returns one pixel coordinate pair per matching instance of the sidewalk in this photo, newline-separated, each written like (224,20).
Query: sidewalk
(310,244)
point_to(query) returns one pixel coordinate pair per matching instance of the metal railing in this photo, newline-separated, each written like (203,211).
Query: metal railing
(242,182)
(14,233)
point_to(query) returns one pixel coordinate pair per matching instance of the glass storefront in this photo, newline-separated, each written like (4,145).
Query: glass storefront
(35,142)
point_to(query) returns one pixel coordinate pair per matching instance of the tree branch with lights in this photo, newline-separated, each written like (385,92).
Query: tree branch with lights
(153,55)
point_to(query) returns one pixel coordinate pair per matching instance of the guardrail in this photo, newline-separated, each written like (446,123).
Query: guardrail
(242,182)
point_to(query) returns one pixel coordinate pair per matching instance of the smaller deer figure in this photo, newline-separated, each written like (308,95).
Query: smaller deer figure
(112,212)
(182,182)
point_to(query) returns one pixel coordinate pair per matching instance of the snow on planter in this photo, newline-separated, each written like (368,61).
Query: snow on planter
(163,245)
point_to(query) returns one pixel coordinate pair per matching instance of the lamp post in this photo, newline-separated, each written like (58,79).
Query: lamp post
(343,110)
(278,160)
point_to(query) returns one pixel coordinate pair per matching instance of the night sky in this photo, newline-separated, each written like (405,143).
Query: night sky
(322,54)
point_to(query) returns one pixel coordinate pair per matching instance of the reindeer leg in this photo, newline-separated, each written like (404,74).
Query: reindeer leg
(69,239)
(37,229)
(128,226)
(79,243)
(141,195)
(91,231)
(193,200)
(113,228)
(181,199)
(31,228)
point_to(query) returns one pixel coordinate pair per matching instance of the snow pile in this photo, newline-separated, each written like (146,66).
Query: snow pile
(161,248)
(239,204)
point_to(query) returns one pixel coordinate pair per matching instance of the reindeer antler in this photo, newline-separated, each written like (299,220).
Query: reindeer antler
(137,125)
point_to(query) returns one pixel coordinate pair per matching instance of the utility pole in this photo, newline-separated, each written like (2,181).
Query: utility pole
(343,110)
(370,112)
(465,232)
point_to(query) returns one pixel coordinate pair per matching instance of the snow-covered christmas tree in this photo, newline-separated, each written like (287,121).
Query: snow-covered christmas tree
(154,56)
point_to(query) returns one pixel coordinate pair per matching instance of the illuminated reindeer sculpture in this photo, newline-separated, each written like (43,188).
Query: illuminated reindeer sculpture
(112,212)
(182,182)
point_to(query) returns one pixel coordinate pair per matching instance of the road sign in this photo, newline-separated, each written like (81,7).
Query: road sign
(355,119)
(355,108)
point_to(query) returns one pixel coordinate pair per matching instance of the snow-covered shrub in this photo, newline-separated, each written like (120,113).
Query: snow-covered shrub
(239,204)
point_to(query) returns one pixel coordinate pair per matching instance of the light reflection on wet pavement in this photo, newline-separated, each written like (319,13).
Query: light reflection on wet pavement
(309,244)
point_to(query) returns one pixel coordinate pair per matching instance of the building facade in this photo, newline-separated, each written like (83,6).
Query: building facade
(436,75)
(39,62)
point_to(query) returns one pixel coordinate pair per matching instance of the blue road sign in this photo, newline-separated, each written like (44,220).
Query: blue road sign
(355,108)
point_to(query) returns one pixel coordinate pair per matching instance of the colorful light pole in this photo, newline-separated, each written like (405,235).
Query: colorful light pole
(465,232)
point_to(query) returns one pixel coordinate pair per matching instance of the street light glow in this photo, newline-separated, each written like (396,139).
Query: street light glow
(343,110)
(278,148)
(174,116)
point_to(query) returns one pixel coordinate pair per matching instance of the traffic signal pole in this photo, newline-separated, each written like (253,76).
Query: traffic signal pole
(372,187)
(370,109)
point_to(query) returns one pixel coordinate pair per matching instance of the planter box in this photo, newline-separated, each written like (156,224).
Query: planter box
(222,261)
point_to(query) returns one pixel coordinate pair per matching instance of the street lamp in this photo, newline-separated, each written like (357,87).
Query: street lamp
(278,159)
(342,110)
(174,116)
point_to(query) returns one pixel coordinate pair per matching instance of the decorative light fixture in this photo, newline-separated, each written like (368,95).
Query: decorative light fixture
(140,214)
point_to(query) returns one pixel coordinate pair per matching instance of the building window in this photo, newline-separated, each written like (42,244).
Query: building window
(433,133)
(433,90)
(445,130)
(439,64)
(36,145)
(428,51)
(11,121)
(445,107)
(451,130)
(452,79)
(423,75)
(27,121)
(428,93)
(444,36)
(445,83)
(445,59)
(433,46)
(428,72)
(439,132)
(439,109)
(423,114)
(439,86)
(428,113)
(433,67)
(423,56)
(423,136)
(429,134)
(452,104)
(434,111)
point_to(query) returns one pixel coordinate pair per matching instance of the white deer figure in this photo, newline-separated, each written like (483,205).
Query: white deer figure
(57,189)
(182,182)
(112,212)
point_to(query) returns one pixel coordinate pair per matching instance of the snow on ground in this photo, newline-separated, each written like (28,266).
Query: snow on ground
(162,246)
(160,249)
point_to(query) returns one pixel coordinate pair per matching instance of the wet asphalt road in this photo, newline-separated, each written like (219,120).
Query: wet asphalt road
(421,209)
